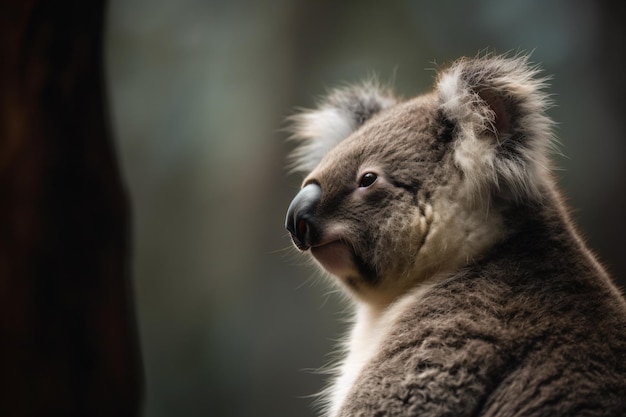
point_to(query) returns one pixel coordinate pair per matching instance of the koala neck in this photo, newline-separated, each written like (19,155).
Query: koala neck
(372,323)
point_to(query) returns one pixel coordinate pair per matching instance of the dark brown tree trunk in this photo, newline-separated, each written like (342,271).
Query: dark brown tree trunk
(68,343)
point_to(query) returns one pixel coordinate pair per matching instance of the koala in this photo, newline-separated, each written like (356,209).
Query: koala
(473,293)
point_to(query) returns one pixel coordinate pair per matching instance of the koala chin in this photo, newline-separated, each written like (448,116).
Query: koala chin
(473,293)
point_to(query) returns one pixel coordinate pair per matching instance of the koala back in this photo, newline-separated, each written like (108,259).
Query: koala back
(473,293)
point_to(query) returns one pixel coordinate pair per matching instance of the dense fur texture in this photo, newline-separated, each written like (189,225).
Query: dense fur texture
(473,293)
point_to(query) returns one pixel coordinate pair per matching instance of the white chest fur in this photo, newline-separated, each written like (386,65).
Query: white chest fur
(370,330)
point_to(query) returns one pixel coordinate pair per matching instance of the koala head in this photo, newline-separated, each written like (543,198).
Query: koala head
(398,192)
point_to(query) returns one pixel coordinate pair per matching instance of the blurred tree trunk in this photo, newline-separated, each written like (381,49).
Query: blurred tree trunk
(68,343)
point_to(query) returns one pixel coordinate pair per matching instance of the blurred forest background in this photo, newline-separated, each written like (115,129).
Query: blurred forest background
(232,321)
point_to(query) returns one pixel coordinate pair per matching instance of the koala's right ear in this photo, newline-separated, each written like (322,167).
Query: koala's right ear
(342,112)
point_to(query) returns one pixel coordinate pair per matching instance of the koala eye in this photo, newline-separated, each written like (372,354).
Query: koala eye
(367,179)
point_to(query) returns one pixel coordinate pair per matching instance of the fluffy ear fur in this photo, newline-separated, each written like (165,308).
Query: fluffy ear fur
(497,107)
(337,116)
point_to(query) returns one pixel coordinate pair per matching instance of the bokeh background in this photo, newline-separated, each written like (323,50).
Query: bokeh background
(232,321)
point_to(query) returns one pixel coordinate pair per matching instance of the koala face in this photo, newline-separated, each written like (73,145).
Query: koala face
(372,210)
(399,192)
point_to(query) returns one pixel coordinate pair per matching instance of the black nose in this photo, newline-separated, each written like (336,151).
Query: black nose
(300,216)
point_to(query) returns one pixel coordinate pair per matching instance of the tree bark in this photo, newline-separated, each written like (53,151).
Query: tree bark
(67,329)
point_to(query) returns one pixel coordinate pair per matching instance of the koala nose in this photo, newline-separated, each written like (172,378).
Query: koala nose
(300,216)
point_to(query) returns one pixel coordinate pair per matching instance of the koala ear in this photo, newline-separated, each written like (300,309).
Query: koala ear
(342,112)
(498,109)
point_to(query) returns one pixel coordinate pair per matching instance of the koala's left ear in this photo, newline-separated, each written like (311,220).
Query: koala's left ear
(342,112)
(498,109)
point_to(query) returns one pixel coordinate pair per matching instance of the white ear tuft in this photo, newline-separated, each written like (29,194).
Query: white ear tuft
(338,115)
(498,107)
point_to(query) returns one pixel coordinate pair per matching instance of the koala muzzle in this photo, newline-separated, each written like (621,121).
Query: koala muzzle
(300,221)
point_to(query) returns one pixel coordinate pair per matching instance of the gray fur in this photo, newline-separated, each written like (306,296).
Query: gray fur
(469,280)
(533,329)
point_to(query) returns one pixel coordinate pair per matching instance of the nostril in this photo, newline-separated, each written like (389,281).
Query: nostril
(304,232)
(302,229)
(300,221)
